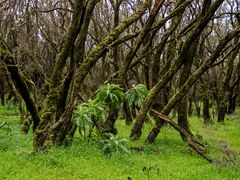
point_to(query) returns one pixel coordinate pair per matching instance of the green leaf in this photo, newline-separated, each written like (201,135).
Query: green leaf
(111,95)
(136,94)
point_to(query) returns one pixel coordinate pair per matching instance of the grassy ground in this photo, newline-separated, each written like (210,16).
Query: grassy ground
(167,158)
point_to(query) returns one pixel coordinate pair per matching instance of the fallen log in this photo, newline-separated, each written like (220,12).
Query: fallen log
(196,146)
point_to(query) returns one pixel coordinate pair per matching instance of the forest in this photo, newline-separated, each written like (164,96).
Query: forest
(119,89)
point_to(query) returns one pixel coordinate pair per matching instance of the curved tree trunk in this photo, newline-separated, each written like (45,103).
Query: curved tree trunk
(191,80)
(225,88)
(199,27)
(19,82)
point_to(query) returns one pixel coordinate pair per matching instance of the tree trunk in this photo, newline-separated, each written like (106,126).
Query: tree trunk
(192,79)
(200,26)
(225,88)
(127,113)
(2,90)
(198,147)
(234,89)
(19,82)
(109,125)
(190,110)
(197,107)
(206,113)
(184,75)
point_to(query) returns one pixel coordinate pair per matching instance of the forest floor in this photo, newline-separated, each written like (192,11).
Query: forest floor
(168,158)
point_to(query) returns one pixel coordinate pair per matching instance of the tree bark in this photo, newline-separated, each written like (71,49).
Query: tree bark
(19,81)
(192,79)
(200,26)
(225,88)
(198,147)
(206,113)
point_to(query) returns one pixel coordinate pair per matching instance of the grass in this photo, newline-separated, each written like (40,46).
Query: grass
(167,158)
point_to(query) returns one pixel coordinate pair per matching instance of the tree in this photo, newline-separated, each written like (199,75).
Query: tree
(165,45)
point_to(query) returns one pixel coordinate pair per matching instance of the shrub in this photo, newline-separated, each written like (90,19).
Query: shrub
(86,115)
(115,145)
(110,94)
(136,94)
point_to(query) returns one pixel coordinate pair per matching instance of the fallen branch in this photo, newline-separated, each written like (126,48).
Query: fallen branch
(198,147)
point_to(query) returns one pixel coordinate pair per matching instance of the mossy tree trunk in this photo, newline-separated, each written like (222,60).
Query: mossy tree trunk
(184,74)
(51,109)
(191,80)
(109,124)
(127,113)
(234,89)
(225,88)
(190,110)
(19,81)
(76,37)
(97,52)
(140,40)
(179,61)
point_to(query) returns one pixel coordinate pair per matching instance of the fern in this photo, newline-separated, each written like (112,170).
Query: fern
(136,94)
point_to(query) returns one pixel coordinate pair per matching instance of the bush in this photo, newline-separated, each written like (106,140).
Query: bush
(136,94)
(115,145)
(86,115)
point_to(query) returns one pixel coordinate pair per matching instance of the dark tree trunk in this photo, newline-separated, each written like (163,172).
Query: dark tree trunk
(116,50)
(19,82)
(190,109)
(127,113)
(185,73)
(225,88)
(2,90)
(206,113)
(232,104)
(234,89)
(152,95)
(133,111)
(192,79)
(197,108)
(109,125)
(182,116)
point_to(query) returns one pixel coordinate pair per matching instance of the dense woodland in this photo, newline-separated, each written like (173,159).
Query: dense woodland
(57,55)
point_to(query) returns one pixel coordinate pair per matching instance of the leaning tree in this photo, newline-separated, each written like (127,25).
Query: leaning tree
(56,54)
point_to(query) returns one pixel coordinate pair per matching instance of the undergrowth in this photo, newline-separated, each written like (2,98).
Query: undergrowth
(167,158)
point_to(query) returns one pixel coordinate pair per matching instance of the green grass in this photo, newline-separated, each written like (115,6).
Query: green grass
(167,158)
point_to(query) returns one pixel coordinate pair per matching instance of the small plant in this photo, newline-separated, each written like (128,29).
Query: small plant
(148,169)
(111,95)
(136,94)
(86,115)
(115,145)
